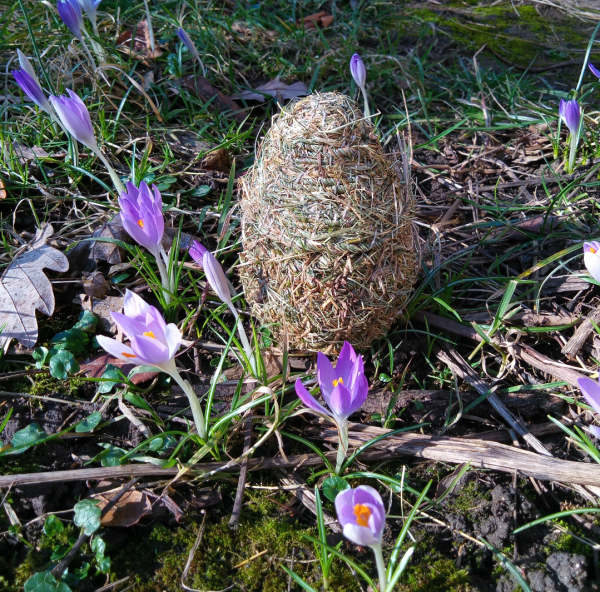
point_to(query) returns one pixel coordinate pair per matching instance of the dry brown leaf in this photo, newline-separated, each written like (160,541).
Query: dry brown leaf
(277,89)
(26,153)
(24,288)
(102,309)
(95,285)
(129,510)
(322,20)
(201,87)
(217,160)
(95,367)
(139,47)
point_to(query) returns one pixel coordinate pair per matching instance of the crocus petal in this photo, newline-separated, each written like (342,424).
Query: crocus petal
(594,70)
(173,337)
(595,429)
(134,306)
(76,118)
(360,535)
(345,363)
(309,400)
(27,66)
(32,89)
(343,501)
(358,70)
(142,217)
(150,351)
(570,113)
(117,349)
(187,41)
(360,392)
(591,391)
(197,252)
(156,325)
(340,402)
(591,258)
(326,375)
(216,278)
(129,326)
(70,13)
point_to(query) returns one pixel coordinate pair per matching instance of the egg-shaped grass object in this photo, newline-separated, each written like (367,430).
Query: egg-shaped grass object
(329,249)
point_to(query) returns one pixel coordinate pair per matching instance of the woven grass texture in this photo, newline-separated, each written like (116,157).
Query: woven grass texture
(329,250)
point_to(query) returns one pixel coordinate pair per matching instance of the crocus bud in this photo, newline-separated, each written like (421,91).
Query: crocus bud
(591,391)
(213,271)
(361,514)
(187,41)
(594,70)
(27,66)
(591,258)
(142,217)
(75,117)
(358,70)
(90,7)
(70,13)
(32,89)
(570,113)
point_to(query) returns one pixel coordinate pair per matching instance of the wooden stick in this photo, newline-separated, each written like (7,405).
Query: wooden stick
(459,366)
(572,347)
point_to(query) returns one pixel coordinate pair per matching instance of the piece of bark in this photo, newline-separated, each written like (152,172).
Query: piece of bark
(446,325)
(572,347)
(306,497)
(480,453)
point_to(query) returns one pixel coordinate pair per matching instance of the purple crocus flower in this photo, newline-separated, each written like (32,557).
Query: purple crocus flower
(152,343)
(361,514)
(591,391)
(31,87)
(594,70)
(70,13)
(358,71)
(344,388)
(187,41)
(570,113)
(26,65)
(217,279)
(213,271)
(75,117)
(591,258)
(142,217)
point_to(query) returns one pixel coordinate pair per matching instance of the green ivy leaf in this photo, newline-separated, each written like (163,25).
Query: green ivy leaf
(53,525)
(45,582)
(40,354)
(89,423)
(62,363)
(114,374)
(334,485)
(74,340)
(98,547)
(87,516)
(87,322)
(104,565)
(28,436)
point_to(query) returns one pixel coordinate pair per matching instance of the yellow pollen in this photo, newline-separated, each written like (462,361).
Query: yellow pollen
(128,355)
(141,223)
(150,334)
(592,250)
(338,381)
(362,514)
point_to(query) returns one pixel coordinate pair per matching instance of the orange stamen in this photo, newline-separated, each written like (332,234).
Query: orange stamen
(592,250)
(338,381)
(141,223)
(362,514)
(150,334)
(128,355)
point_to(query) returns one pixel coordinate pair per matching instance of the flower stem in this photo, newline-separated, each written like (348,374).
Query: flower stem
(367,110)
(113,175)
(573,151)
(89,55)
(164,277)
(381,571)
(342,449)
(194,402)
(244,339)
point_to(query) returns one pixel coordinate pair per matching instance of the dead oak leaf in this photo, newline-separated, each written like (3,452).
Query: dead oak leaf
(24,288)
(276,89)
(129,510)
(320,20)
(138,45)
